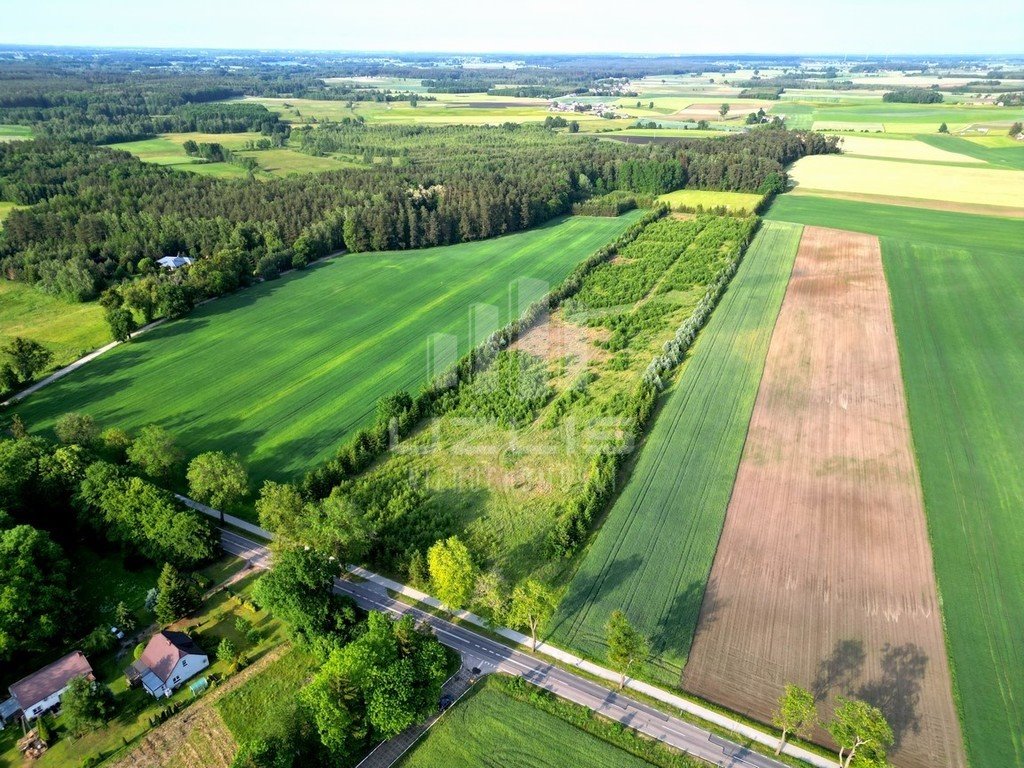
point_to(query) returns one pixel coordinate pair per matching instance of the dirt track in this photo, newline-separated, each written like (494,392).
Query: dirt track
(823,575)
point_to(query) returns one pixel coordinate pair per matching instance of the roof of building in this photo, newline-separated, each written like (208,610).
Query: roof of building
(174,261)
(50,679)
(165,649)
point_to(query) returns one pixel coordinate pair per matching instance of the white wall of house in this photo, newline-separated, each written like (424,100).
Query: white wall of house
(187,667)
(34,710)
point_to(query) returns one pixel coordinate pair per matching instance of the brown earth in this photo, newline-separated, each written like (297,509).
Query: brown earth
(823,576)
(556,339)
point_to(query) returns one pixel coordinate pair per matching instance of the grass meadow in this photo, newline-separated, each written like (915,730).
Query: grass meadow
(67,329)
(268,698)
(956,281)
(652,556)
(489,728)
(284,371)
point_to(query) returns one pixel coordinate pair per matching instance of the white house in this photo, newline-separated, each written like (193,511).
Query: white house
(173,262)
(170,658)
(41,691)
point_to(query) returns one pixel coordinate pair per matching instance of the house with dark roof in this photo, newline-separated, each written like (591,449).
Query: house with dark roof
(41,691)
(170,658)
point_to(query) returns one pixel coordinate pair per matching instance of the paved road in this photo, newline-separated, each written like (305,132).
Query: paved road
(491,656)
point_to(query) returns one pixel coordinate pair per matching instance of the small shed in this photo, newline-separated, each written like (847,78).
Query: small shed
(174,262)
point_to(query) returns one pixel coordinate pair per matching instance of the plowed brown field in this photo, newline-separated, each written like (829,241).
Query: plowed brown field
(823,576)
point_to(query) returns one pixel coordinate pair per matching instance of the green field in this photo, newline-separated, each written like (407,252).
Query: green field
(653,555)
(964,230)
(250,710)
(956,281)
(960,321)
(9,132)
(67,329)
(6,208)
(1002,156)
(284,371)
(488,728)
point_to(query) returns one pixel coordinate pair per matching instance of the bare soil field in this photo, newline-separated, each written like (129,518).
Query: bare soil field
(823,576)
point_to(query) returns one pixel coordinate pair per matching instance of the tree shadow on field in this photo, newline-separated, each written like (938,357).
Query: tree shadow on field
(585,595)
(898,691)
(693,609)
(839,671)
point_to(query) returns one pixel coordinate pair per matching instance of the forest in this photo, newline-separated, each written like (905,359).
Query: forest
(99,217)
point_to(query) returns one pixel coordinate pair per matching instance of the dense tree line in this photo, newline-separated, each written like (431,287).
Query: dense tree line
(913,96)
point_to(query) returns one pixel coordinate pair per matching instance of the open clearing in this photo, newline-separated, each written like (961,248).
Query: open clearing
(949,184)
(960,321)
(492,730)
(652,556)
(823,575)
(284,371)
(739,202)
(67,329)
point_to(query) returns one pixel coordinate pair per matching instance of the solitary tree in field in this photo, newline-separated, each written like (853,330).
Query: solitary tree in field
(861,732)
(626,646)
(452,572)
(1015,129)
(943,128)
(796,713)
(723,110)
(532,604)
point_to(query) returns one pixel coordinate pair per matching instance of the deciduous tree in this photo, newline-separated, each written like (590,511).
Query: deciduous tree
(26,357)
(861,732)
(452,572)
(531,605)
(155,452)
(627,647)
(217,479)
(85,705)
(796,714)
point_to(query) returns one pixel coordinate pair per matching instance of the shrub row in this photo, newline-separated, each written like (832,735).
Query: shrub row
(398,414)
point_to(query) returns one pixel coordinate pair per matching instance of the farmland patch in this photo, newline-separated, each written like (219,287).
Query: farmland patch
(824,561)
(653,554)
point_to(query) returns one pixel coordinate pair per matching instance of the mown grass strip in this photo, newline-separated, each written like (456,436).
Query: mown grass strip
(654,552)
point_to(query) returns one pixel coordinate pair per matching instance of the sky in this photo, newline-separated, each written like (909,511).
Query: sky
(527,26)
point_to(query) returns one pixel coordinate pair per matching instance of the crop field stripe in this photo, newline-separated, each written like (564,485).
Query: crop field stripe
(653,554)
(959,321)
(825,546)
(282,372)
(947,228)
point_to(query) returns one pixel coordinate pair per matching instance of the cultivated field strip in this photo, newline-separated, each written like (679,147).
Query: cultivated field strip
(282,372)
(653,554)
(823,575)
(960,321)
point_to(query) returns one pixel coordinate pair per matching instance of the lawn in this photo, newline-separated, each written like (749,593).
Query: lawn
(252,709)
(67,329)
(284,371)
(739,202)
(652,556)
(6,208)
(960,321)
(489,728)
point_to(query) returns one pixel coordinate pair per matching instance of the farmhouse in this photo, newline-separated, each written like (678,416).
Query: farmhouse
(170,658)
(174,262)
(41,691)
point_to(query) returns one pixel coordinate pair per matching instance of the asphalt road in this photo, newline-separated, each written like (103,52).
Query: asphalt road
(491,656)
